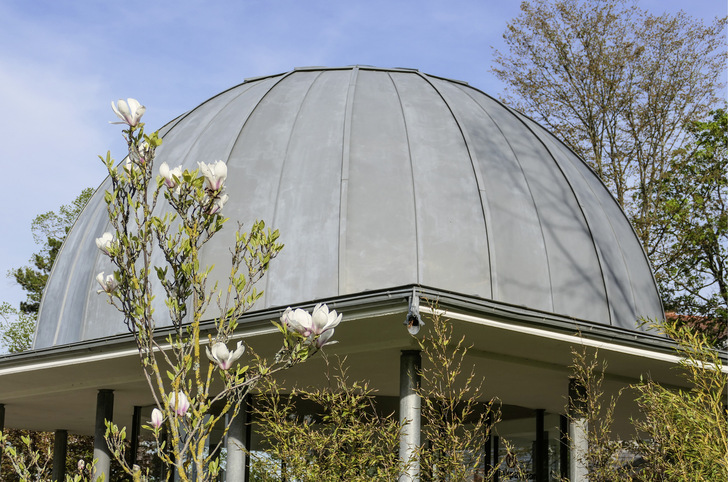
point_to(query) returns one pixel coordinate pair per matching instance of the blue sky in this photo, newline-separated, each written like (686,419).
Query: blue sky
(63,61)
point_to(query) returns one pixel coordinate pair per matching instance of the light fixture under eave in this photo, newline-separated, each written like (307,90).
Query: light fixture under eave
(414,320)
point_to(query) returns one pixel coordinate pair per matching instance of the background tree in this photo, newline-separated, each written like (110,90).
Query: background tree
(80,447)
(618,85)
(16,329)
(17,325)
(693,253)
(49,230)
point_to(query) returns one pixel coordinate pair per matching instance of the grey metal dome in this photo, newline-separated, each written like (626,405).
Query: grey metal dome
(379,178)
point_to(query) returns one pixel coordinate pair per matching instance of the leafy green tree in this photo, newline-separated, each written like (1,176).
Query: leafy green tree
(34,278)
(49,230)
(35,450)
(617,85)
(692,259)
(16,329)
(17,325)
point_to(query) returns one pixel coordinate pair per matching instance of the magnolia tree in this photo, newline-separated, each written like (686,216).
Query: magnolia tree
(188,371)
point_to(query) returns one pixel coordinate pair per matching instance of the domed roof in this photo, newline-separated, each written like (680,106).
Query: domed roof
(380,178)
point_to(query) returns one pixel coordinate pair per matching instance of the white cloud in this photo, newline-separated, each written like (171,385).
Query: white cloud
(49,136)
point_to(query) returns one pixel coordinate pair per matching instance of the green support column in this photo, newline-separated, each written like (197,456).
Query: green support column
(102,454)
(136,425)
(564,446)
(60,450)
(541,450)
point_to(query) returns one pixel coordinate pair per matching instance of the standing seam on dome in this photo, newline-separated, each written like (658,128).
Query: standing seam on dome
(285,156)
(221,110)
(528,186)
(581,210)
(344,189)
(620,251)
(82,322)
(245,123)
(479,183)
(412,174)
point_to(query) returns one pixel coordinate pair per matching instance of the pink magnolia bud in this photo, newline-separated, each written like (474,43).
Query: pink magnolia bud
(179,403)
(108,283)
(157,418)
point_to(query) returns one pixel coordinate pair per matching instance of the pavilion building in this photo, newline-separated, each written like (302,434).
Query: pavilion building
(391,189)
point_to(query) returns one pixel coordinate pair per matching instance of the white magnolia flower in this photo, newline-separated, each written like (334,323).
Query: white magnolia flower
(319,325)
(169,175)
(105,242)
(324,338)
(129,167)
(222,356)
(178,403)
(323,320)
(157,418)
(108,283)
(215,174)
(218,203)
(298,320)
(143,150)
(130,112)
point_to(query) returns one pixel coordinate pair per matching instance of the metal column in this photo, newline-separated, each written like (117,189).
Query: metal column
(488,447)
(237,439)
(60,450)
(102,454)
(541,449)
(496,458)
(564,446)
(578,434)
(409,413)
(136,424)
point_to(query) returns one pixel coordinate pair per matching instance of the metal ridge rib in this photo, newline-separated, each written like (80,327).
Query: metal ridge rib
(344,188)
(482,195)
(412,176)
